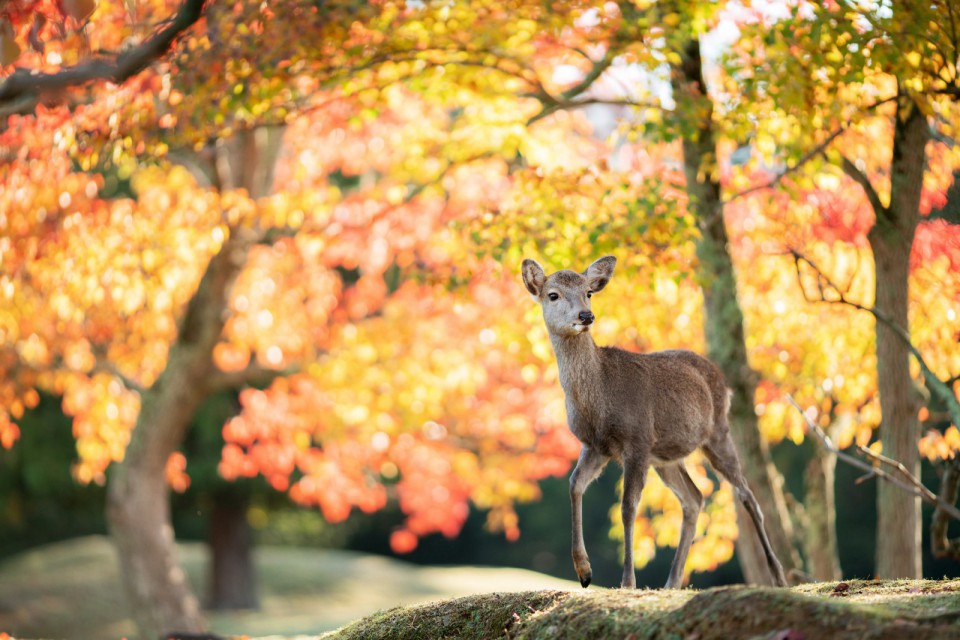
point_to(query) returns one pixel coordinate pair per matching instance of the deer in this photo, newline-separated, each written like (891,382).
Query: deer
(640,409)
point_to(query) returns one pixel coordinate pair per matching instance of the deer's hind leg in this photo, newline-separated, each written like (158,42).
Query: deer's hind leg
(723,456)
(634,477)
(675,476)
(588,468)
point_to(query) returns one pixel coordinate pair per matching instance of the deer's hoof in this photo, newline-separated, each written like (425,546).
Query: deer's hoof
(585,580)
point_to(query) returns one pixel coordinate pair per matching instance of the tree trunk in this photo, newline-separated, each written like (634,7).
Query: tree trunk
(820,534)
(232,579)
(138,510)
(891,239)
(724,322)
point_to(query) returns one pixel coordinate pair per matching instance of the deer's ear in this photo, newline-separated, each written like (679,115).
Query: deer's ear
(599,273)
(533,277)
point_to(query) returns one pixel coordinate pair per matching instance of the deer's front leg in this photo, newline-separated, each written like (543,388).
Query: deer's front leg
(634,477)
(588,468)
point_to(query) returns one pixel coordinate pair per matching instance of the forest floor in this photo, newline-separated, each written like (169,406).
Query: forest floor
(71,591)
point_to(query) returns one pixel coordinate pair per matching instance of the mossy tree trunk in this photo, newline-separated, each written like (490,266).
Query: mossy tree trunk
(726,345)
(891,238)
(820,516)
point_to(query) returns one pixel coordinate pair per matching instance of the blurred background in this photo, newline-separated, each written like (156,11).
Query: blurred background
(266,361)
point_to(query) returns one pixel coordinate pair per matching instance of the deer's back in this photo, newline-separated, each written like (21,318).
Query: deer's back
(666,401)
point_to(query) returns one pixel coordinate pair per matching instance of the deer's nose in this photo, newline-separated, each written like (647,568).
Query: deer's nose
(586,317)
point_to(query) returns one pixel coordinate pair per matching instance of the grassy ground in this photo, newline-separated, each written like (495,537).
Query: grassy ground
(71,590)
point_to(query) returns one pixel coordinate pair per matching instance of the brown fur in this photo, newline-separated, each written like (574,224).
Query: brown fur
(640,409)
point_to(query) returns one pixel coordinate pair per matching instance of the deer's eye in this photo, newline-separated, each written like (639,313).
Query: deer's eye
(553,296)
(589,294)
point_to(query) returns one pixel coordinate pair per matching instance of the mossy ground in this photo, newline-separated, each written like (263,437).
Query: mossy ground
(71,591)
(901,609)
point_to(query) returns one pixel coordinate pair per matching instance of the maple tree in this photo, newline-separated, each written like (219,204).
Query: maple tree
(189,288)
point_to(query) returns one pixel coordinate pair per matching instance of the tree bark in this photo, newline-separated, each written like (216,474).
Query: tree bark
(232,578)
(891,239)
(724,322)
(138,510)
(819,505)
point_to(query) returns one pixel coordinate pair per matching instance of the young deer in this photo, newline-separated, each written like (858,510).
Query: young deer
(640,409)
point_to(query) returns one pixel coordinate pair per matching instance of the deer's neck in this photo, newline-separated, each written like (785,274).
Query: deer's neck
(578,359)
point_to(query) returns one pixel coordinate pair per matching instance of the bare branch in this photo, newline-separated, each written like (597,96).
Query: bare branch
(941,545)
(24,88)
(908,482)
(552,104)
(253,375)
(801,161)
(578,104)
(940,388)
(105,365)
(861,179)
(812,153)
(591,76)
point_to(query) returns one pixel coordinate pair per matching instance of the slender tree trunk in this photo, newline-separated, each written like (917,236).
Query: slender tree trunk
(232,578)
(891,238)
(819,505)
(724,322)
(138,509)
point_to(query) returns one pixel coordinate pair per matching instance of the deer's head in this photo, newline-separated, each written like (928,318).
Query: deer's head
(564,296)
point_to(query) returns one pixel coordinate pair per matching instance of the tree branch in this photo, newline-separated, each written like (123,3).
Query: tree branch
(940,388)
(558,105)
(24,88)
(801,161)
(908,482)
(253,375)
(812,153)
(861,179)
(941,545)
(103,364)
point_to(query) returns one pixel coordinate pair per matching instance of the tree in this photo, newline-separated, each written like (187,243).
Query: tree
(205,281)
(851,63)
